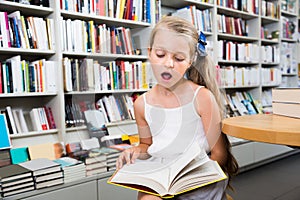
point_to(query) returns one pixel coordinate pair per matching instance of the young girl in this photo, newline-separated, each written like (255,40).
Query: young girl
(184,106)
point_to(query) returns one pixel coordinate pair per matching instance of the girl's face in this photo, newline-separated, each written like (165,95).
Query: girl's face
(169,57)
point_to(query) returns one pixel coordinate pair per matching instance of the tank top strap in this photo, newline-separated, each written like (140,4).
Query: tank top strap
(196,92)
(144,97)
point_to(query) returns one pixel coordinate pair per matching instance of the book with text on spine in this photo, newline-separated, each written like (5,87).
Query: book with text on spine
(188,171)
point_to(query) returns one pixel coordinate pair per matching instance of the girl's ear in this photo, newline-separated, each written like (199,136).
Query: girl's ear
(149,51)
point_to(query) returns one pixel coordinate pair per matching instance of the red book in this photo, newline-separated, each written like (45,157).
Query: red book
(50,117)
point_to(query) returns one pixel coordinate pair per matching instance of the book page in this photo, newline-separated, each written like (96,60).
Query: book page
(207,173)
(147,173)
(183,160)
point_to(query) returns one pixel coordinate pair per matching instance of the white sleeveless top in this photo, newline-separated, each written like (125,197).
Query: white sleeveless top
(174,129)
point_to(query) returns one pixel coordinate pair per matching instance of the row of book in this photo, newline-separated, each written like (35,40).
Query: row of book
(288,58)
(87,36)
(111,108)
(271,76)
(241,103)
(89,75)
(21,76)
(270,54)
(232,25)
(137,10)
(289,6)
(232,76)
(270,9)
(37,119)
(117,107)
(234,51)
(201,19)
(250,6)
(26,32)
(288,27)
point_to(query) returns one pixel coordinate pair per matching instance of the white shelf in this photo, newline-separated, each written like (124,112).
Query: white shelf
(26,9)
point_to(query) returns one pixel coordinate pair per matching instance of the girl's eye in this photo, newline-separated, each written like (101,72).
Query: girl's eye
(160,54)
(179,59)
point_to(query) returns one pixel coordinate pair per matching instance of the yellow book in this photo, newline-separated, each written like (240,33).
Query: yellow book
(92,36)
(122,8)
(187,171)
(144,76)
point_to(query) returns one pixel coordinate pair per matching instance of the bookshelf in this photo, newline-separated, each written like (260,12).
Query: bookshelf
(139,28)
(57,99)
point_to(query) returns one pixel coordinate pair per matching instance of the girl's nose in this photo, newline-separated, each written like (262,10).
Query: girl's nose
(169,62)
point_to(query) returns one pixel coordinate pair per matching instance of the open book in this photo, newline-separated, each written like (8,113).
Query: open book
(190,170)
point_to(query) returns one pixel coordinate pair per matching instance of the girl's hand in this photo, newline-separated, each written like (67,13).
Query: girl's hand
(128,156)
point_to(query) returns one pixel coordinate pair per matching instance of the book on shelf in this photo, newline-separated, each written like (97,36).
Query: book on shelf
(190,170)
(5,158)
(5,39)
(5,142)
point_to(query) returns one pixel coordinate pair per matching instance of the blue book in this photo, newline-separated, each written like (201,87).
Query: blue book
(4,133)
(19,155)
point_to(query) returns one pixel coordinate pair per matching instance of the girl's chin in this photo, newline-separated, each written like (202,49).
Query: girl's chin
(166,84)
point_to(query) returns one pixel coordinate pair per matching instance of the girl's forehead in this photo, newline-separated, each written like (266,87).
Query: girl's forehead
(171,41)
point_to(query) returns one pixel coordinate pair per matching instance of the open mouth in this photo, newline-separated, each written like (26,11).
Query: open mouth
(166,76)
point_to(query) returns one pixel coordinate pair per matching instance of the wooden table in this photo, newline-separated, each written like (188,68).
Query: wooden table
(267,128)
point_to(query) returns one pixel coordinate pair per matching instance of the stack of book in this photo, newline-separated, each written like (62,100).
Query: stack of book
(73,169)
(15,179)
(46,172)
(5,158)
(286,102)
(96,162)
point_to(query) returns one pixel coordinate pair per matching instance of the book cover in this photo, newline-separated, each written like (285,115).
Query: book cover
(19,155)
(290,95)
(45,150)
(286,109)
(4,133)
(41,166)
(13,172)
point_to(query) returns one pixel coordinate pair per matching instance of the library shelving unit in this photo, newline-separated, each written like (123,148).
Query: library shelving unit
(258,30)
(25,100)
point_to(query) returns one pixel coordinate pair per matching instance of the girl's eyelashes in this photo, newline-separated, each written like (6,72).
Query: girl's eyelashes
(162,53)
